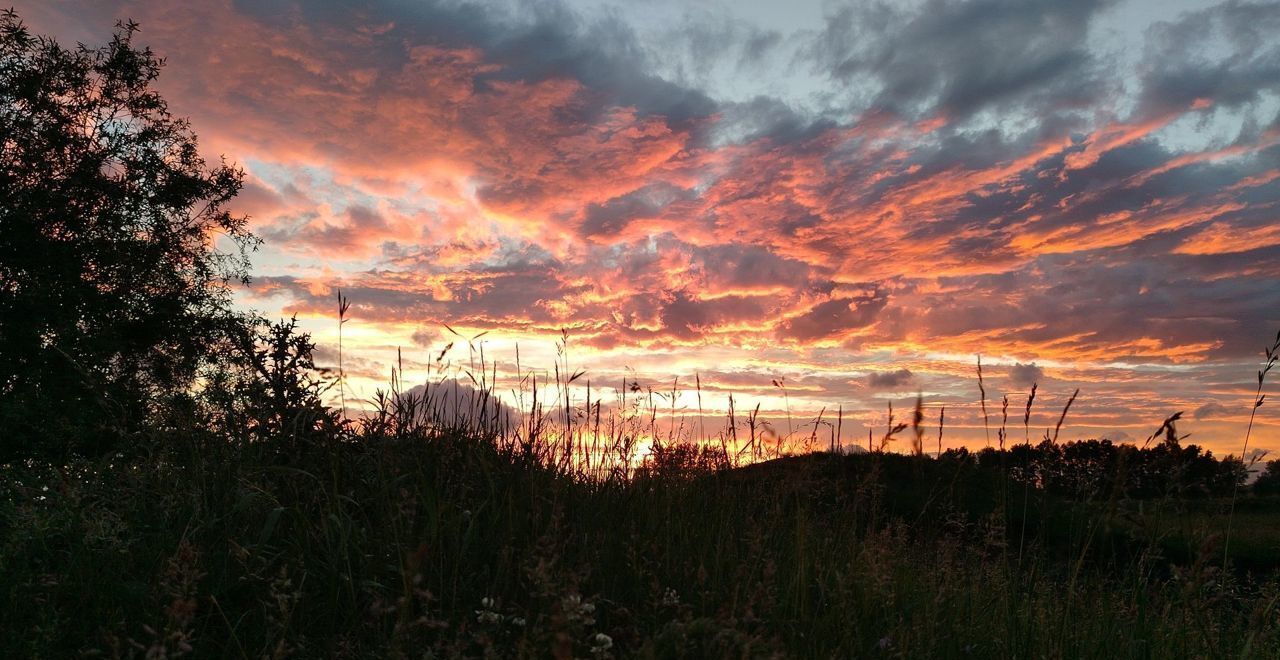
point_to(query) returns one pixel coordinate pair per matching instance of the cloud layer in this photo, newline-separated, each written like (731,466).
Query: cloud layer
(954,178)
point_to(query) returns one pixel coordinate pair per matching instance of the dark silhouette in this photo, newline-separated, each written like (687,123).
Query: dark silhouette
(269,390)
(1268,482)
(1092,469)
(112,294)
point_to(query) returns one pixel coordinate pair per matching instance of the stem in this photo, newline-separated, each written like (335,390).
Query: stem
(1235,485)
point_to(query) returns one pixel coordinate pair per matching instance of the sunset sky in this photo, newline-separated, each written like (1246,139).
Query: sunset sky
(854,199)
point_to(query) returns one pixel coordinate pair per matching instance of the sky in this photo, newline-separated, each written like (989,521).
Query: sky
(809,205)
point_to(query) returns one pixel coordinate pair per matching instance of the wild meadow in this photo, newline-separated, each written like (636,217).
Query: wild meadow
(179,478)
(264,523)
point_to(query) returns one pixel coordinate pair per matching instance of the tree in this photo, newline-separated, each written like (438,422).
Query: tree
(1268,483)
(113,287)
(271,390)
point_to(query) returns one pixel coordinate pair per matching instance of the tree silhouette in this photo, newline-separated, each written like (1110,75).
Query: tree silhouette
(1268,482)
(116,249)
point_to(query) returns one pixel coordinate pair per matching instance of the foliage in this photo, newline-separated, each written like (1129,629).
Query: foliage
(444,546)
(112,290)
(271,390)
(1268,483)
(1099,468)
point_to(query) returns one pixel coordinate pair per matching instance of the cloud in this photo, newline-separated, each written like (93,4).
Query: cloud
(451,402)
(1223,56)
(684,316)
(612,217)
(956,178)
(786,212)
(1211,410)
(888,380)
(951,59)
(836,316)
(1025,375)
(353,366)
(429,337)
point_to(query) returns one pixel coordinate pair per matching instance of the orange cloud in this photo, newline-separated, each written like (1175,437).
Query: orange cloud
(436,180)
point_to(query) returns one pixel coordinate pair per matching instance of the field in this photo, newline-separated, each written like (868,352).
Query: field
(444,545)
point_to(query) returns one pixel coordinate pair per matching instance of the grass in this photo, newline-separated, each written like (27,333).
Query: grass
(438,527)
(445,546)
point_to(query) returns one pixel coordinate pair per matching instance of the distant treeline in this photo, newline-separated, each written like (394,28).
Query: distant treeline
(1093,469)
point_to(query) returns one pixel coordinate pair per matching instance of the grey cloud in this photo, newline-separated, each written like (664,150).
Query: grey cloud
(704,41)
(960,57)
(686,317)
(533,42)
(1115,296)
(1211,410)
(550,40)
(1228,54)
(451,402)
(833,316)
(736,265)
(1025,375)
(768,117)
(511,294)
(326,358)
(428,337)
(889,379)
(613,216)
(360,222)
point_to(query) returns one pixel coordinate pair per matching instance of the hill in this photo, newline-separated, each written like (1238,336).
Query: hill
(444,546)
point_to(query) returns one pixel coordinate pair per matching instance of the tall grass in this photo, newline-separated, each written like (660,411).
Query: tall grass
(1272,354)
(444,524)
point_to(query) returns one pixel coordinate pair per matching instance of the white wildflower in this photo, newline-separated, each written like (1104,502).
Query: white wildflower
(577,610)
(601,643)
(486,615)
